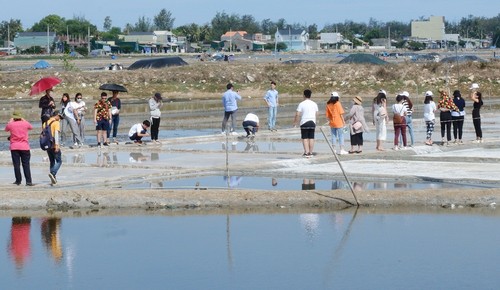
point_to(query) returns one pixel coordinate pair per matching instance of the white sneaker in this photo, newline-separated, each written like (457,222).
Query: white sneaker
(396,148)
(223,133)
(343,152)
(234,133)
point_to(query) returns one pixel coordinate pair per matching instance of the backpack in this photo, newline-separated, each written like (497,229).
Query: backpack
(46,138)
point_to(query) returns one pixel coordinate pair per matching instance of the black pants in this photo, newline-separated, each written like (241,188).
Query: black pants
(231,114)
(250,127)
(21,157)
(155,128)
(476,120)
(458,125)
(445,119)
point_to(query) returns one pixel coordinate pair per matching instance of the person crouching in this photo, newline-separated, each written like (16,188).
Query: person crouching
(251,124)
(138,131)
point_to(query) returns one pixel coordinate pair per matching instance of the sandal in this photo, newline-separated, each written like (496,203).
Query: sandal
(351,152)
(358,151)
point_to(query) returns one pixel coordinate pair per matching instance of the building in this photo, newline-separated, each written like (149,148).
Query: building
(152,41)
(295,39)
(432,29)
(236,41)
(27,40)
(330,40)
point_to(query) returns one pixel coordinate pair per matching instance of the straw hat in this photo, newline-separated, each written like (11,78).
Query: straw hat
(357,100)
(17,115)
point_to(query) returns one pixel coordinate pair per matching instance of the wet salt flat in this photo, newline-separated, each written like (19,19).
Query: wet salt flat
(364,249)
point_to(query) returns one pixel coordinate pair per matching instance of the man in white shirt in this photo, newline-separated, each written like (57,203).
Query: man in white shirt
(251,124)
(138,131)
(307,111)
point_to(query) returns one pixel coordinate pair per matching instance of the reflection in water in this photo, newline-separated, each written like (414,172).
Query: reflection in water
(79,158)
(310,223)
(340,184)
(19,247)
(308,184)
(251,146)
(380,185)
(103,159)
(137,157)
(358,186)
(329,252)
(50,236)
(233,146)
(233,181)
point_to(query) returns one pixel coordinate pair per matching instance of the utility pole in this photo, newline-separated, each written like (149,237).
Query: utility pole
(48,40)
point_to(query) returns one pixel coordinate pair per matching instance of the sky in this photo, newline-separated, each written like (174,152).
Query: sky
(307,12)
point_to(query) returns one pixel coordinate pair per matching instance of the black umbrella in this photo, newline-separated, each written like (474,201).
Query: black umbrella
(113,87)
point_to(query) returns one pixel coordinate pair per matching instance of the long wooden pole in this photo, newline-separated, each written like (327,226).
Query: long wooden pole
(340,165)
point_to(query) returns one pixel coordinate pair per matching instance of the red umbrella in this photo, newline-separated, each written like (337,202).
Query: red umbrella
(44,84)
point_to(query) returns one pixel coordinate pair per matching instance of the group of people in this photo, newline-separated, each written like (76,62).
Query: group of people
(452,112)
(71,114)
(251,121)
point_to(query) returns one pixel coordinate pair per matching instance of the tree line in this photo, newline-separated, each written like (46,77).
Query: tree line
(470,26)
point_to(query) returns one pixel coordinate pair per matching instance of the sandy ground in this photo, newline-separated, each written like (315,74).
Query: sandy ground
(102,185)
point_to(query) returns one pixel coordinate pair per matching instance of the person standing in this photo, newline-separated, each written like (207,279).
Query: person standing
(64,123)
(47,104)
(399,120)
(20,147)
(229,100)
(445,106)
(358,125)
(73,120)
(81,109)
(102,119)
(335,116)
(251,124)
(457,117)
(408,117)
(477,98)
(429,116)
(54,152)
(307,112)
(380,118)
(155,103)
(272,102)
(116,106)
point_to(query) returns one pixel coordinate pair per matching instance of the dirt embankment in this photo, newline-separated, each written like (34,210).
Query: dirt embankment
(206,79)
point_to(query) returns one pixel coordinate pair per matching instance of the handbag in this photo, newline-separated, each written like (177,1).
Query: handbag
(397,118)
(357,125)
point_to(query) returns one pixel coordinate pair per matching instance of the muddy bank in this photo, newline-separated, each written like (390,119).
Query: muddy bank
(60,199)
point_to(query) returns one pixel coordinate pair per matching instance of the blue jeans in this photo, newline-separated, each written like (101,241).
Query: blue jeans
(271,122)
(337,133)
(114,124)
(55,160)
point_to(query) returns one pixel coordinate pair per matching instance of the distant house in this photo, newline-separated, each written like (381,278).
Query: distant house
(295,39)
(330,40)
(26,40)
(236,41)
(152,41)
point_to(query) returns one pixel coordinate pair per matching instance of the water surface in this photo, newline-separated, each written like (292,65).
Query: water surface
(440,249)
